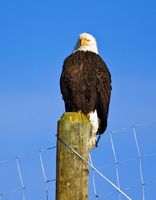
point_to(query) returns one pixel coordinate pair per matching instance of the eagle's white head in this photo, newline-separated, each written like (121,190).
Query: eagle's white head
(86,42)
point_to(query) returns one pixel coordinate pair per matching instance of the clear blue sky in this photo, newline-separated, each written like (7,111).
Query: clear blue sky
(35,38)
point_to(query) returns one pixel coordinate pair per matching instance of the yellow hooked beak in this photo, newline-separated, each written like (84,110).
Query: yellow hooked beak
(83,42)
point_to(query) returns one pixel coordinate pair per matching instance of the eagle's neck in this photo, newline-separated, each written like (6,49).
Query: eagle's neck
(92,48)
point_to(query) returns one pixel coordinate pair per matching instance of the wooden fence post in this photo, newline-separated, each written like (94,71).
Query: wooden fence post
(74,129)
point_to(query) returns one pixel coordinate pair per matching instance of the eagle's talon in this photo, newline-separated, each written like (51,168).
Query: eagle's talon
(97,141)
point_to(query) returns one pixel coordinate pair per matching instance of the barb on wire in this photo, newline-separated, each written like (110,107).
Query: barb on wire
(104,177)
(21,177)
(93,179)
(140,164)
(116,162)
(44,174)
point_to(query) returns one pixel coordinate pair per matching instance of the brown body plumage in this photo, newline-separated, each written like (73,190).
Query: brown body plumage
(86,85)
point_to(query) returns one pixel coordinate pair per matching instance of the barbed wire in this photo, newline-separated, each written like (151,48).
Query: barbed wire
(37,185)
(23,187)
(27,155)
(117,163)
(21,177)
(140,163)
(44,174)
(132,187)
(93,179)
(96,170)
(136,125)
(96,194)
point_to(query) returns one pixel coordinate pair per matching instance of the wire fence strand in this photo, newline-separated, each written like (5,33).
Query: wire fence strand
(21,178)
(93,179)
(140,164)
(98,172)
(117,163)
(44,174)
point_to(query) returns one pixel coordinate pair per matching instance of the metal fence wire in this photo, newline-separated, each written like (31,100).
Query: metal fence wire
(141,135)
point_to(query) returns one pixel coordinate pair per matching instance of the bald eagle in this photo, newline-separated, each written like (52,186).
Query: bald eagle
(86,84)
